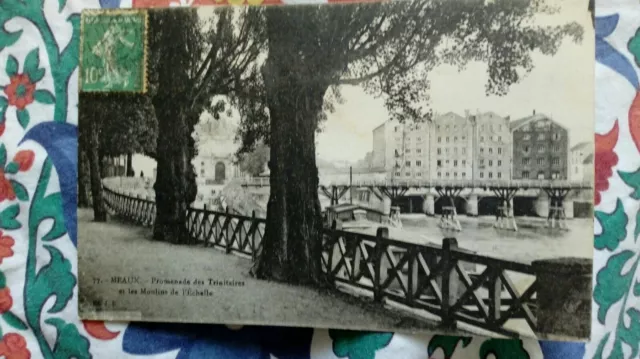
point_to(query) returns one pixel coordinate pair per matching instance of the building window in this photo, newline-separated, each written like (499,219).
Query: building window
(417,127)
(418,163)
(499,150)
(455,174)
(556,161)
(481,174)
(464,162)
(540,149)
(490,150)
(464,175)
(446,150)
(418,150)
(481,149)
(202,171)
(202,163)
(396,129)
(439,174)
(499,174)
(540,175)
(481,138)
(490,174)
(499,138)
(541,136)
(455,163)
(464,150)
(419,174)
(447,139)
(408,150)
(446,174)
(438,127)
(540,161)
(447,128)
(398,174)
(490,163)
(499,163)
(408,163)
(556,148)
(555,175)
(481,162)
(455,138)
(408,174)
(556,136)
(526,137)
(439,139)
(447,161)
(525,161)
(419,138)
(464,138)
(526,149)
(525,174)
(439,151)
(439,163)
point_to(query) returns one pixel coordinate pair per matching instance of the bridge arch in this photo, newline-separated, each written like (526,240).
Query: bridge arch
(459,202)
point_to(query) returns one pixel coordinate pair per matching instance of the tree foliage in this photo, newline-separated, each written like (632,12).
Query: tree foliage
(253,163)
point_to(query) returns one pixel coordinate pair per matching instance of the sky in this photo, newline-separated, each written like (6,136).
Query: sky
(560,86)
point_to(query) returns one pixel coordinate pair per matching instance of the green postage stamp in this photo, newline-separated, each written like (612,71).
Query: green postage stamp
(113,51)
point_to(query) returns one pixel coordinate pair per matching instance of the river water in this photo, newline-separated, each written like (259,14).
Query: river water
(531,242)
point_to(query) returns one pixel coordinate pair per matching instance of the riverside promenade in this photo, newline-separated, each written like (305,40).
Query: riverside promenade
(120,257)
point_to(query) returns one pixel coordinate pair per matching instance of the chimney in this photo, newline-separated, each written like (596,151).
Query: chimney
(466,113)
(534,111)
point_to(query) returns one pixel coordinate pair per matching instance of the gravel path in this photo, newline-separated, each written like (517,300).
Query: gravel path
(111,252)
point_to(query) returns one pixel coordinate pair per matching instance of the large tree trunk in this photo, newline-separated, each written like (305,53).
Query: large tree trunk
(175,186)
(99,211)
(292,245)
(130,172)
(84,177)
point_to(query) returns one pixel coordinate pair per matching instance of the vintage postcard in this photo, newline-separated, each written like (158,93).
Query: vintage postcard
(418,165)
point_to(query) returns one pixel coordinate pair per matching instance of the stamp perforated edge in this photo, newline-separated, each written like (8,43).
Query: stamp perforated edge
(145,47)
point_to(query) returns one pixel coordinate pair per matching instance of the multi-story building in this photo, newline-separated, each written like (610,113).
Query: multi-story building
(581,161)
(540,148)
(491,146)
(451,147)
(402,150)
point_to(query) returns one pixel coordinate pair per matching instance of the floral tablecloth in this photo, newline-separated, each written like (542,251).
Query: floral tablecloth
(38,268)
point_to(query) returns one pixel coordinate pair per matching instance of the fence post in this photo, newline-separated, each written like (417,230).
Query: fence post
(381,235)
(563,289)
(449,283)
(253,225)
(228,240)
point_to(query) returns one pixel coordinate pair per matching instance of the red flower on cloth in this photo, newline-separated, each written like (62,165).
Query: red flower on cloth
(2,127)
(13,346)
(24,159)
(605,160)
(6,246)
(6,189)
(20,91)
(5,300)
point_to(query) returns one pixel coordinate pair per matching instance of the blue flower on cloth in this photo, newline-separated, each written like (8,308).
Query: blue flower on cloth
(216,341)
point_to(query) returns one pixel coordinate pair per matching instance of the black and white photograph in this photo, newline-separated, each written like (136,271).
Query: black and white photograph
(409,166)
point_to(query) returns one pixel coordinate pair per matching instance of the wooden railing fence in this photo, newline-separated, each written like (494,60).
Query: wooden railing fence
(445,281)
